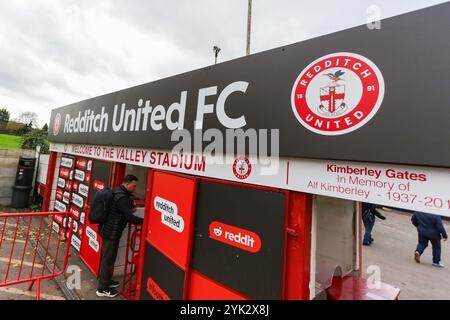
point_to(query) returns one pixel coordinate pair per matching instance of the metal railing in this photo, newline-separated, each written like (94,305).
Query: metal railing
(31,246)
(129,282)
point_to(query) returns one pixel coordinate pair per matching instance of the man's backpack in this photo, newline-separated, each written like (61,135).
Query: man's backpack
(101,206)
(368,216)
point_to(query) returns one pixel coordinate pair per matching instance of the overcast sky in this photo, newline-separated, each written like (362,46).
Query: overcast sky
(55,52)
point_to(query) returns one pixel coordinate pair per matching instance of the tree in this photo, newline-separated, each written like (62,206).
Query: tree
(25,129)
(45,128)
(4,118)
(28,117)
(4,115)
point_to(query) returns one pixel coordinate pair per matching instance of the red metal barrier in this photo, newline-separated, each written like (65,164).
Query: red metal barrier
(22,232)
(129,282)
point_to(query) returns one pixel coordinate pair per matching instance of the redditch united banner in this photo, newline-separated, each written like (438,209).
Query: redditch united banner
(364,95)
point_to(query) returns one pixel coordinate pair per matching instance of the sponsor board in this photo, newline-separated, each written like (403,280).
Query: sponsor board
(92,237)
(69,185)
(64,173)
(66,162)
(75,226)
(90,233)
(61,182)
(94,245)
(76,242)
(83,190)
(155,291)
(169,214)
(99,185)
(234,236)
(81,164)
(58,218)
(77,200)
(59,206)
(66,200)
(80,175)
(75,212)
(59,194)
(55,227)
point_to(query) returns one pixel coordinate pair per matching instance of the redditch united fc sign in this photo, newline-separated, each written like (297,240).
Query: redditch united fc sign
(337,93)
(369,88)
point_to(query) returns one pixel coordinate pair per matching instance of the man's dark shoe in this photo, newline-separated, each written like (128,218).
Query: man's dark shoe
(371,240)
(366,243)
(417,256)
(113,284)
(109,293)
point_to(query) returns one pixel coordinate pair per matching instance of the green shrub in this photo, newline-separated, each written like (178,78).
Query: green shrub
(32,139)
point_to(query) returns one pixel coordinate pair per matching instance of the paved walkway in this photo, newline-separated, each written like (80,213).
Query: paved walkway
(393,251)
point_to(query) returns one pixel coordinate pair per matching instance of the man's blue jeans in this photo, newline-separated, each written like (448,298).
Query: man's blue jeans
(368,235)
(435,244)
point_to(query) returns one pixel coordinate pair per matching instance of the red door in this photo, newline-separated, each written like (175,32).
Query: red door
(169,238)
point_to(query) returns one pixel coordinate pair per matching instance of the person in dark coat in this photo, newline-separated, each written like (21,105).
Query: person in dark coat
(369,213)
(430,229)
(111,231)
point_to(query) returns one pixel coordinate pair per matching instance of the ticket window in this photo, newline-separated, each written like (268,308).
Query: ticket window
(336,227)
(139,197)
(141,173)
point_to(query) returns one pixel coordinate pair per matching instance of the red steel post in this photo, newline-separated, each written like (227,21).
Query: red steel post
(49,181)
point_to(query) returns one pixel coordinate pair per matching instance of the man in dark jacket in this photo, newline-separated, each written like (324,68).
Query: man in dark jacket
(430,228)
(111,231)
(369,213)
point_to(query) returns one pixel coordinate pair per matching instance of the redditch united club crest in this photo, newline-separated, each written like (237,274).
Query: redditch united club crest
(57,124)
(242,168)
(337,93)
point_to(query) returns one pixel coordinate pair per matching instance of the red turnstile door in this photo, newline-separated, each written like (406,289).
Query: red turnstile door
(169,237)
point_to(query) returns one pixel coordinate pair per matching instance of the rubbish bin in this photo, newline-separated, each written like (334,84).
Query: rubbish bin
(23,183)
(20,197)
(25,171)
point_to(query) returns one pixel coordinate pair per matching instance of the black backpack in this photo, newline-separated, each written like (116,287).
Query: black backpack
(101,206)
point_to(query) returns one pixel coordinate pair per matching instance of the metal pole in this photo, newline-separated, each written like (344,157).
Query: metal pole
(38,149)
(249,25)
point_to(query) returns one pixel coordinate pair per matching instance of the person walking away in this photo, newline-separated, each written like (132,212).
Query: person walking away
(369,213)
(121,213)
(430,229)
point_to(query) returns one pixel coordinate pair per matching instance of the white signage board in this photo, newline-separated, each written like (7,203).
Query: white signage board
(408,187)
